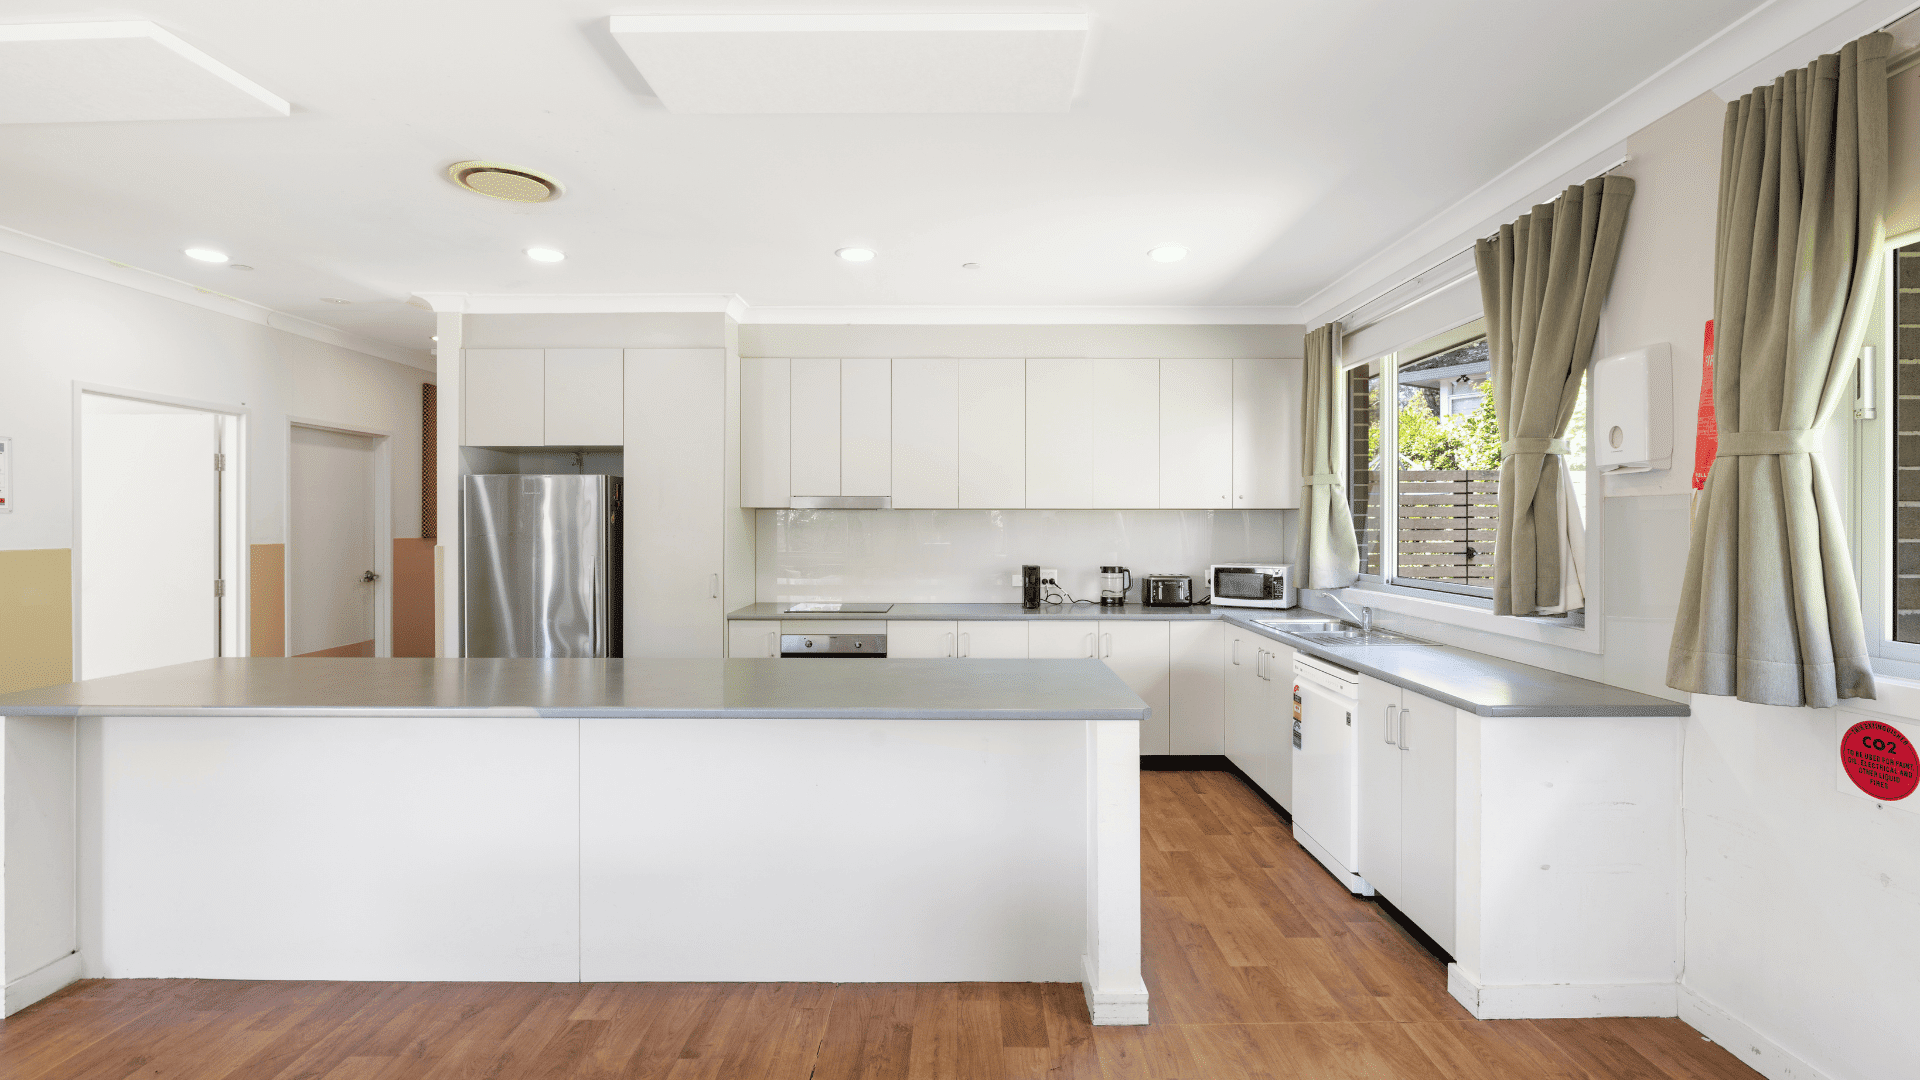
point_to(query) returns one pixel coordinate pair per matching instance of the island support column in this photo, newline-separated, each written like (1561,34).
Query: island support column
(1116,994)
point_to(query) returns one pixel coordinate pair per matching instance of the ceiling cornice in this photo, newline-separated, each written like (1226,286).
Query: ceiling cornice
(877,315)
(1593,143)
(41,250)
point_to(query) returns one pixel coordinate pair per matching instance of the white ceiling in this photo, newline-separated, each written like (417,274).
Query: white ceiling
(1282,141)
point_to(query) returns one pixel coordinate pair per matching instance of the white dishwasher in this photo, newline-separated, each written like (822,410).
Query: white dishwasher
(1326,767)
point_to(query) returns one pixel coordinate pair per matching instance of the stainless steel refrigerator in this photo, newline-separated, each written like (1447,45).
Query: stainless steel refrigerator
(542,565)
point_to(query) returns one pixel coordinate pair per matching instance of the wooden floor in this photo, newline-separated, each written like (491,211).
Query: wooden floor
(1259,966)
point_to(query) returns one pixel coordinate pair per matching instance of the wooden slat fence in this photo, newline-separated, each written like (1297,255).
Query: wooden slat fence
(1446,525)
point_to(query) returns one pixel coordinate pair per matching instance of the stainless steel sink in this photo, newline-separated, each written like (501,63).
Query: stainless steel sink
(1297,625)
(1356,636)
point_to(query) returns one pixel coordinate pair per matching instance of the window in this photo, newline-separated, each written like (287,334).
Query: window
(1425,514)
(1885,450)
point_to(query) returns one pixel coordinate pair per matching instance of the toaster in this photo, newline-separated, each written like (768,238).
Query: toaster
(1166,590)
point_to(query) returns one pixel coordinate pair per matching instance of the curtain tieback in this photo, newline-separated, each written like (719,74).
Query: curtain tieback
(1762,443)
(1533,446)
(1320,479)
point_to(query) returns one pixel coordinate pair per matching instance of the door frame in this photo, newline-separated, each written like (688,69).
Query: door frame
(382,527)
(235,534)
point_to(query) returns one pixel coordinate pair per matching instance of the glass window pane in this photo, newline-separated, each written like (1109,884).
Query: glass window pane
(1906,454)
(1449,467)
(1363,463)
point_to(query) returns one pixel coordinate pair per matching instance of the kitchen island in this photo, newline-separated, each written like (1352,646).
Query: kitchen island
(590,820)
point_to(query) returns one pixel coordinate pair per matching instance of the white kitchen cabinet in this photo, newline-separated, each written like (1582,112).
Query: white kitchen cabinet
(1060,434)
(1258,680)
(1196,434)
(1126,434)
(585,399)
(815,427)
(1065,640)
(1407,799)
(676,411)
(1137,651)
(748,639)
(992,434)
(926,433)
(992,640)
(866,427)
(1196,688)
(766,425)
(916,640)
(1266,434)
(505,392)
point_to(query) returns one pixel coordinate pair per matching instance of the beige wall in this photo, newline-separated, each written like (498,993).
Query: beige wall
(36,619)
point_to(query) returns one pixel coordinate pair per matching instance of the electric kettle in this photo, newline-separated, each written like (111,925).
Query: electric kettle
(1114,583)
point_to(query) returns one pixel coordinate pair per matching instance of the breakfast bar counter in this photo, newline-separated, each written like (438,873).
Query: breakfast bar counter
(580,820)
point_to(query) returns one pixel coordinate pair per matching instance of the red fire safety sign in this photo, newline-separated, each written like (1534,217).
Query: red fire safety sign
(1880,760)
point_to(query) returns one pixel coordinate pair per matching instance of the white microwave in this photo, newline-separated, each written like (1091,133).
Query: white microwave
(1253,586)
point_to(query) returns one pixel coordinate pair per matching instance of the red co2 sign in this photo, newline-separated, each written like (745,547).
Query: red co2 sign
(1880,760)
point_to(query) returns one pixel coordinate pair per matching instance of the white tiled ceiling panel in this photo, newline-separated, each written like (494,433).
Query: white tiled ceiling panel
(876,62)
(59,73)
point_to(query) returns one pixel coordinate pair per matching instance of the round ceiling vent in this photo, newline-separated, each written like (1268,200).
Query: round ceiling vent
(510,182)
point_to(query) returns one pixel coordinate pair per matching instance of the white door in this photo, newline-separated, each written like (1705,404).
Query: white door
(920,640)
(1376,730)
(1266,434)
(674,497)
(993,640)
(1196,434)
(1138,653)
(1427,786)
(993,433)
(1245,696)
(331,544)
(1059,434)
(926,434)
(149,536)
(1126,434)
(753,639)
(1196,692)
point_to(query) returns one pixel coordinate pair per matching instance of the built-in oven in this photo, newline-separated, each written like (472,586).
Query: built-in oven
(1268,585)
(794,646)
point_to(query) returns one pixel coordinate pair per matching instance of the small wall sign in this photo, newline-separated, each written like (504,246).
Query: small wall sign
(1880,760)
(6,475)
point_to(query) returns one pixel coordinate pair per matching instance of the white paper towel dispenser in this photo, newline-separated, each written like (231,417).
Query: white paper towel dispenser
(1631,421)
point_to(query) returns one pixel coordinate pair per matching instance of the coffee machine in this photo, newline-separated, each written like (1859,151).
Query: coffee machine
(1030,587)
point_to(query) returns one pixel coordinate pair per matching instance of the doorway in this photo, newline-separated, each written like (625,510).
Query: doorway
(338,548)
(158,529)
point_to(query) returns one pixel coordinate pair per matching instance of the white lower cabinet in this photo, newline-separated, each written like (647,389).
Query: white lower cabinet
(749,639)
(921,640)
(992,640)
(1407,797)
(1137,651)
(1196,688)
(942,640)
(1258,684)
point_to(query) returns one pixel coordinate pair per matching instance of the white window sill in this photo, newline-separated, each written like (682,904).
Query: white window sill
(1472,614)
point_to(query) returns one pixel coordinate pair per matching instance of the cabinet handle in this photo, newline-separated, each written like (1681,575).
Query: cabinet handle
(1091,652)
(1234,651)
(773,643)
(949,644)
(716,587)
(1403,730)
(1106,644)
(1386,728)
(966,644)
(1261,666)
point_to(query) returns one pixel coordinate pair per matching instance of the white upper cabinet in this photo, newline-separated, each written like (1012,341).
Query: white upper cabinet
(1266,434)
(1126,434)
(585,397)
(993,433)
(505,392)
(926,434)
(815,430)
(866,428)
(1060,434)
(1196,434)
(766,431)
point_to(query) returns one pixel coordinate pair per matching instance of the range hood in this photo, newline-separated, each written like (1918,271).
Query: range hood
(840,502)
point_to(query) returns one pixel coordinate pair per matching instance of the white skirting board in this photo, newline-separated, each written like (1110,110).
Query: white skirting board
(1113,1006)
(1560,1001)
(1755,1050)
(35,985)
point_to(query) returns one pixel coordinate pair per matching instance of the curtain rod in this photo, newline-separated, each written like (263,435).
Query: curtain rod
(1383,293)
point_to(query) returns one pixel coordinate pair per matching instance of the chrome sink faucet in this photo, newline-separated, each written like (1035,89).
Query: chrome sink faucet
(1364,618)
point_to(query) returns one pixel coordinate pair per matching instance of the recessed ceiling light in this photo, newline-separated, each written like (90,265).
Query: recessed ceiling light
(509,182)
(546,255)
(238,266)
(335,300)
(1167,253)
(856,254)
(207,255)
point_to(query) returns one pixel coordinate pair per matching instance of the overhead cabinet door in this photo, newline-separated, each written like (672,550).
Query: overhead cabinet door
(993,433)
(766,403)
(866,427)
(1060,434)
(1196,434)
(816,427)
(505,392)
(926,434)
(1126,434)
(1266,434)
(585,399)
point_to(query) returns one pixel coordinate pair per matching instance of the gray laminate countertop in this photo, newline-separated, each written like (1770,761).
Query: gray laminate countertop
(1482,684)
(814,688)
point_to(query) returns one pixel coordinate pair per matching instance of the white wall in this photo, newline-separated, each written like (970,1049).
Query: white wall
(58,327)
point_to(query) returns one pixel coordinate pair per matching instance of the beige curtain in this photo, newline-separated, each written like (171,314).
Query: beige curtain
(1326,557)
(1542,281)
(1769,612)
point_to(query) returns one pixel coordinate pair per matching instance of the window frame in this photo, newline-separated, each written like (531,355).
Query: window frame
(1869,446)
